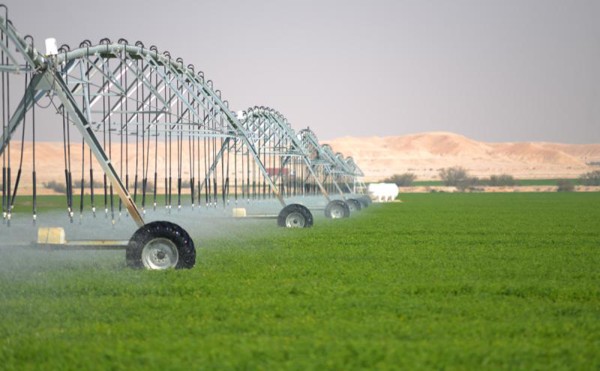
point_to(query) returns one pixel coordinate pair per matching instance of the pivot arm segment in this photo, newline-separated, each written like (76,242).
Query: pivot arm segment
(53,80)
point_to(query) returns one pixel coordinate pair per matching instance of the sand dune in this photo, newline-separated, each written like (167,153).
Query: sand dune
(425,153)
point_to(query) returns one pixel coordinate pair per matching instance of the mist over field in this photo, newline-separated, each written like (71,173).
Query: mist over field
(214,223)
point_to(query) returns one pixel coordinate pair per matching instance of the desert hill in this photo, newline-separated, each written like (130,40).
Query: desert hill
(425,153)
(379,157)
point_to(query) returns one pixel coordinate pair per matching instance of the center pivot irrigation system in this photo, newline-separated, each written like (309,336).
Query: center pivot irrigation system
(161,136)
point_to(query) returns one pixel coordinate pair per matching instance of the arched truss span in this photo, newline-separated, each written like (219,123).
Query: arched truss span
(146,118)
(333,167)
(126,98)
(282,151)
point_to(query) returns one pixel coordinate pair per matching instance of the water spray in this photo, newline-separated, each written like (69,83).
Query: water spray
(132,111)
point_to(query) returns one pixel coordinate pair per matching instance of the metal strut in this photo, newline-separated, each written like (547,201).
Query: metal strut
(51,80)
(149,95)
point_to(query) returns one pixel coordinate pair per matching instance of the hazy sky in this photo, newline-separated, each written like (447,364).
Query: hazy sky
(493,70)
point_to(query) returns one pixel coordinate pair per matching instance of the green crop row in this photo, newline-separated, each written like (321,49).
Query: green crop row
(440,281)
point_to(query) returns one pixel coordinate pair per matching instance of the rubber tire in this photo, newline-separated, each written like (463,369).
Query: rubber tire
(363,203)
(161,229)
(335,203)
(283,214)
(354,204)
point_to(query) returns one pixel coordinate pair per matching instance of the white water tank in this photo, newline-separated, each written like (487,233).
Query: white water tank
(383,192)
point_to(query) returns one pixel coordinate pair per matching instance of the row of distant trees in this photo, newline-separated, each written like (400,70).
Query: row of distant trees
(456,176)
(459,177)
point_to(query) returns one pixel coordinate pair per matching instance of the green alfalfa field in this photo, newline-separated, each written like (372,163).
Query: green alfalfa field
(439,281)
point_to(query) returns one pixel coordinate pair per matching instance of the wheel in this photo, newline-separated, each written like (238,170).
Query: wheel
(161,245)
(363,202)
(295,216)
(337,209)
(353,204)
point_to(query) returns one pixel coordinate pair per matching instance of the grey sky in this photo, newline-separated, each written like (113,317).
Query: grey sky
(504,70)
